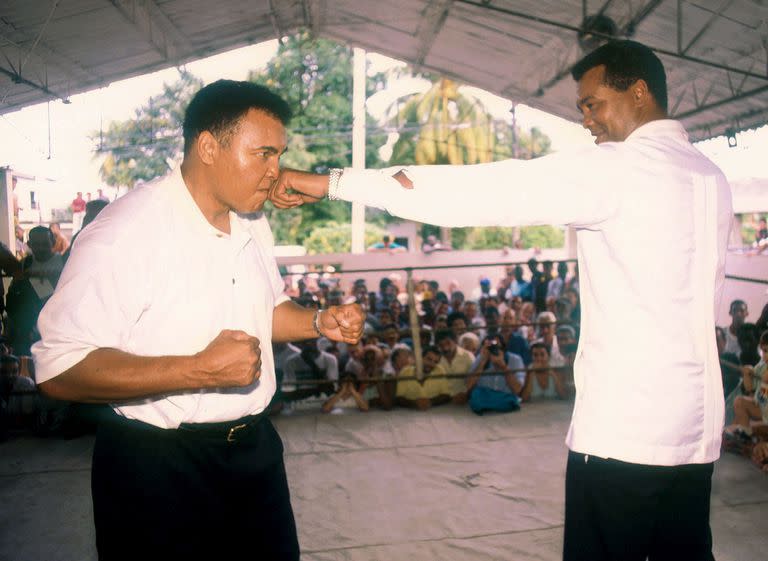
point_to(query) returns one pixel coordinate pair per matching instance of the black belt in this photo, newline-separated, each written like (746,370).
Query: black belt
(228,430)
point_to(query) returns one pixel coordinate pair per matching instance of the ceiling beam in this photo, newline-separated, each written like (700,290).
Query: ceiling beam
(721,102)
(712,18)
(560,25)
(627,30)
(155,26)
(16,78)
(432,20)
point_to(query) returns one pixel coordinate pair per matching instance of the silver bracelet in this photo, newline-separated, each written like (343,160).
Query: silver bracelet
(316,323)
(334,177)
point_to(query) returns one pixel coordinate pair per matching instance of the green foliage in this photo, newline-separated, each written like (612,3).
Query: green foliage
(542,236)
(337,238)
(145,147)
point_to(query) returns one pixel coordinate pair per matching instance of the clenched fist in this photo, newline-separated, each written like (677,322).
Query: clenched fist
(232,359)
(343,323)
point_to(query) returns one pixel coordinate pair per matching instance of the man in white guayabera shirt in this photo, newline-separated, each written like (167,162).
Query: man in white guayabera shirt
(167,310)
(652,216)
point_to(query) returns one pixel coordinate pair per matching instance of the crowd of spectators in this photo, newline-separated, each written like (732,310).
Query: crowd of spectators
(509,342)
(490,347)
(32,273)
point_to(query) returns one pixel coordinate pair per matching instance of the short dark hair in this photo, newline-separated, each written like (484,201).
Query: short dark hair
(735,304)
(218,107)
(539,346)
(431,349)
(443,334)
(625,63)
(453,316)
(41,229)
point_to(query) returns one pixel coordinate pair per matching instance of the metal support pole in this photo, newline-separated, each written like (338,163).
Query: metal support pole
(358,144)
(413,318)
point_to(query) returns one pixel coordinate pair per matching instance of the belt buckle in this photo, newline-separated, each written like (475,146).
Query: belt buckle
(233,430)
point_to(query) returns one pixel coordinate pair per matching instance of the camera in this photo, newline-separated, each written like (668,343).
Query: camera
(494,348)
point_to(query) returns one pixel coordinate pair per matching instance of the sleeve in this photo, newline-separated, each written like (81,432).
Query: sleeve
(264,235)
(97,301)
(516,363)
(333,367)
(577,188)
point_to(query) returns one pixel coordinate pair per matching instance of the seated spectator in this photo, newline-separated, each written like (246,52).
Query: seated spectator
(400,358)
(546,323)
(310,364)
(455,360)
(527,327)
(511,339)
(541,380)
(387,245)
(470,342)
(20,400)
(760,456)
(500,392)
(729,364)
(428,392)
(752,409)
(375,366)
(347,397)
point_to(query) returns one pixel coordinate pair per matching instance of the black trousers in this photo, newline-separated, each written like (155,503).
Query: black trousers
(616,511)
(189,494)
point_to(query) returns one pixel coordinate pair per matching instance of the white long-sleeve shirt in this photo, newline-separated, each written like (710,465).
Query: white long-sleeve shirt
(652,216)
(151,277)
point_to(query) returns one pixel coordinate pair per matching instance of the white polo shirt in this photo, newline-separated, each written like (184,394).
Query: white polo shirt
(152,277)
(652,216)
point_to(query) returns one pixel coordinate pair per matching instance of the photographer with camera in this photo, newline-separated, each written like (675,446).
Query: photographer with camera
(495,392)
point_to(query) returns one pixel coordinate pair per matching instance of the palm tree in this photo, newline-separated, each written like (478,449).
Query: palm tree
(442,126)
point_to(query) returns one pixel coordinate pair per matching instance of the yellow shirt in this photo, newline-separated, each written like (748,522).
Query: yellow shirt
(461,364)
(411,389)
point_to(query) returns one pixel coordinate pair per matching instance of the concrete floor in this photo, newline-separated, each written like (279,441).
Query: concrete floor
(45,509)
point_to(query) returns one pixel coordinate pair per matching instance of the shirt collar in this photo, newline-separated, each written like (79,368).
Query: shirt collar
(194,218)
(659,127)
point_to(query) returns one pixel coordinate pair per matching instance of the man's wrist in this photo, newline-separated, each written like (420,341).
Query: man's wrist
(334,181)
(316,323)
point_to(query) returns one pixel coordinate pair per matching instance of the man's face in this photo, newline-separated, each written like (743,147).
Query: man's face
(430,361)
(470,309)
(447,347)
(610,115)
(738,314)
(249,163)
(546,331)
(459,326)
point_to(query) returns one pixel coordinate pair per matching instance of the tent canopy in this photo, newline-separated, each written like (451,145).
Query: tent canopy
(714,50)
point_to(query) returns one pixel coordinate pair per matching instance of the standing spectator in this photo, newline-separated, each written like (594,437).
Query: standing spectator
(433,244)
(61,245)
(557,284)
(22,250)
(738,312)
(27,293)
(100,196)
(539,284)
(78,212)
(519,286)
(387,245)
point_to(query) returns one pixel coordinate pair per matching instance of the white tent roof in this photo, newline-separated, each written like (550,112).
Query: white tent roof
(715,51)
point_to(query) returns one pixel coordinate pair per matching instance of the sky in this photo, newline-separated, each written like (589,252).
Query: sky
(65,153)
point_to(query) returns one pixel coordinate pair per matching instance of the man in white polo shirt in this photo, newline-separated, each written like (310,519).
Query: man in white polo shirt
(652,216)
(167,310)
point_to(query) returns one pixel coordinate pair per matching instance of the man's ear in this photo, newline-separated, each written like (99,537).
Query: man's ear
(207,147)
(641,95)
